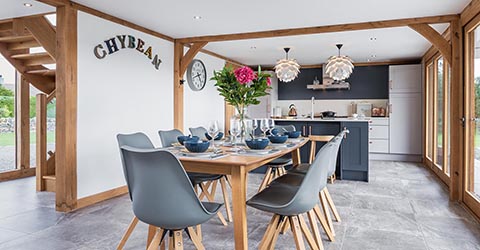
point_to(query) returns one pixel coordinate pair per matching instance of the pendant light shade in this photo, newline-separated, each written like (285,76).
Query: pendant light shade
(339,67)
(287,69)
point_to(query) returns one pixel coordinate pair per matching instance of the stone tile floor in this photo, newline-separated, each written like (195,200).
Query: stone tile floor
(402,207)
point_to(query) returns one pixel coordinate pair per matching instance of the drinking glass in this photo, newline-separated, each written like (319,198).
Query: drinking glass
(254,127)
(235,129)
(213,132)
(264,126)
(271,125)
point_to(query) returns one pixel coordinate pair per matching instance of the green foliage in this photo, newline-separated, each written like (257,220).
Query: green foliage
(477,96)
(237,94)
(7,102)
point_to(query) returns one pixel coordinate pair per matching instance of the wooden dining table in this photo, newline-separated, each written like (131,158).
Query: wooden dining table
(238,166)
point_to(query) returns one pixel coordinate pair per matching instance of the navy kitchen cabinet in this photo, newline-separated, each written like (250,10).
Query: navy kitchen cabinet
(354,152)
(352,161)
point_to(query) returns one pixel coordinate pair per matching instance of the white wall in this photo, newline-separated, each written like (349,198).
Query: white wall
(122,93)
(200,107)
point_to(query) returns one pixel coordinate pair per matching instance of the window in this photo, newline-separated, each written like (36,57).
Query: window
(7,116)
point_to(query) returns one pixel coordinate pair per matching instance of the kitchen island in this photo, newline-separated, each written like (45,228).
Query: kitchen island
(352,161)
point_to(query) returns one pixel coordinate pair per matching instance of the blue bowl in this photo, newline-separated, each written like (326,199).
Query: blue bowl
(218,137)
(196,146)
(181,139)
(259,143)
(274,131)
(293,134)
(278,138)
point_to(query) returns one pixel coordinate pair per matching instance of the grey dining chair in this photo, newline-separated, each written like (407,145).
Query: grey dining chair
(163,196)
(138,140)
(276,167)
(326,200)
(288,203)
(201,180)
(199,131)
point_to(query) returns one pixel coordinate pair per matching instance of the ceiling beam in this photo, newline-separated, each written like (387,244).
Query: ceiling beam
(321,29)
(470,12)
(188,57)
(56,3)
(435,38)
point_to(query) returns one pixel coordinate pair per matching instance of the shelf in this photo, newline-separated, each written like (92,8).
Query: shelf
(344,85)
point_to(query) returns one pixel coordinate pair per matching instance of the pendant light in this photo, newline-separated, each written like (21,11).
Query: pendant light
(339,67)
(287,69)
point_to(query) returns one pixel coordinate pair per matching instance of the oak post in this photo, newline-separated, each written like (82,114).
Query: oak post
(23,123)
(177,86)
(66,123)
(41,143)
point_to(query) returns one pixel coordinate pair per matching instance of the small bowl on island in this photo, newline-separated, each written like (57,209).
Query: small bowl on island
(293,134)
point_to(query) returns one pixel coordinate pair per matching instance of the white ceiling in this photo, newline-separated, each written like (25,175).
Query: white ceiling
(175,19)
(15,8)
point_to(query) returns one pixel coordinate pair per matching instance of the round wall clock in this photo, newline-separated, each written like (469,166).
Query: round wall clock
(196,75)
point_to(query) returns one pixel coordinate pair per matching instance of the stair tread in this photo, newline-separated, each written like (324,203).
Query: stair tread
(49,177)
(24,45)
(13,39)
(31,55)
(45,72)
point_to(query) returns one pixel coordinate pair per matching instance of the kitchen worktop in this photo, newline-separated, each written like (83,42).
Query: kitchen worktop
(349,119)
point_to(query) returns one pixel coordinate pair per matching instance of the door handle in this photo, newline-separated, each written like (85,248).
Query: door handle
(309,130)
(303,131)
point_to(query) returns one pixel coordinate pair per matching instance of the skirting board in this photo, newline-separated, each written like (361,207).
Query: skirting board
(92,199)
(395,157)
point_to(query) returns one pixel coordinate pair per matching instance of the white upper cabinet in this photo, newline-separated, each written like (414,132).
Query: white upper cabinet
(406,78)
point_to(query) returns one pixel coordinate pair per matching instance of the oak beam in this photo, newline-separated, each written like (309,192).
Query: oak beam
(41,142)
(472,9)
(188,57)
(177,86)
(23,123)
(66,122)
(321,29)
(56,3)
(43,32)
(435,38)
(456,113)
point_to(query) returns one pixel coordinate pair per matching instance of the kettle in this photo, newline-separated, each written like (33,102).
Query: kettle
(293,110)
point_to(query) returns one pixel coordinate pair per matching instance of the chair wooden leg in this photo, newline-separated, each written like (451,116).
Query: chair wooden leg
(264,183)
(315,230)
(226,200)
(331,205)
(127,233)
(312,151)
(197,242)
(199,232)
(210,198)
(285,227)
(204,188)
(306,232)
(170,243)
(267,237)
(326,211)
(229,180)
(297,233)
(278,228)
(152,230)
(177,240)
(323,222)
(156,240)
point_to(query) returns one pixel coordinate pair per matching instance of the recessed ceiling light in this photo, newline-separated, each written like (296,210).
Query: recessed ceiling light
(27,4)
(368,60)
(373,56)
(197,17)
(253,47)
(373,39)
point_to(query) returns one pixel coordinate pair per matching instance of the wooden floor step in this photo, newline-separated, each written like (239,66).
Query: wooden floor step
(23,45)
(43,72)
(14,39)
(35,58)
(49,177)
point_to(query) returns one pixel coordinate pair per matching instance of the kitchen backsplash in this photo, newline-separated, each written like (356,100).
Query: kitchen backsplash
(341,107)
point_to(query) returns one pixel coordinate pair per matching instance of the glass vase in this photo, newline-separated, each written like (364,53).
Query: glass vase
(245,121)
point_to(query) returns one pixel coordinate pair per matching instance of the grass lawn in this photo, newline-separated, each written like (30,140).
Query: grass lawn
(8,139)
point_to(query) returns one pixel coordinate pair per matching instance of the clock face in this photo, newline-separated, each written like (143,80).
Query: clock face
(196,75)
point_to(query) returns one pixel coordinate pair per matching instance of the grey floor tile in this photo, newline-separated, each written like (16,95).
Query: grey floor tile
(371,239)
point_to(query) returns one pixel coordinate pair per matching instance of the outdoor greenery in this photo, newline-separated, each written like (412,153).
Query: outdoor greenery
(7,104)
(8,139)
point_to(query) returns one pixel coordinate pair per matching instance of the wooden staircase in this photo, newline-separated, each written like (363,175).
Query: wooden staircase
(29,44)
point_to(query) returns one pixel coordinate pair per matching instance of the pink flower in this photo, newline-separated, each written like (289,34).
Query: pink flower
(244,75)
(269,81)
